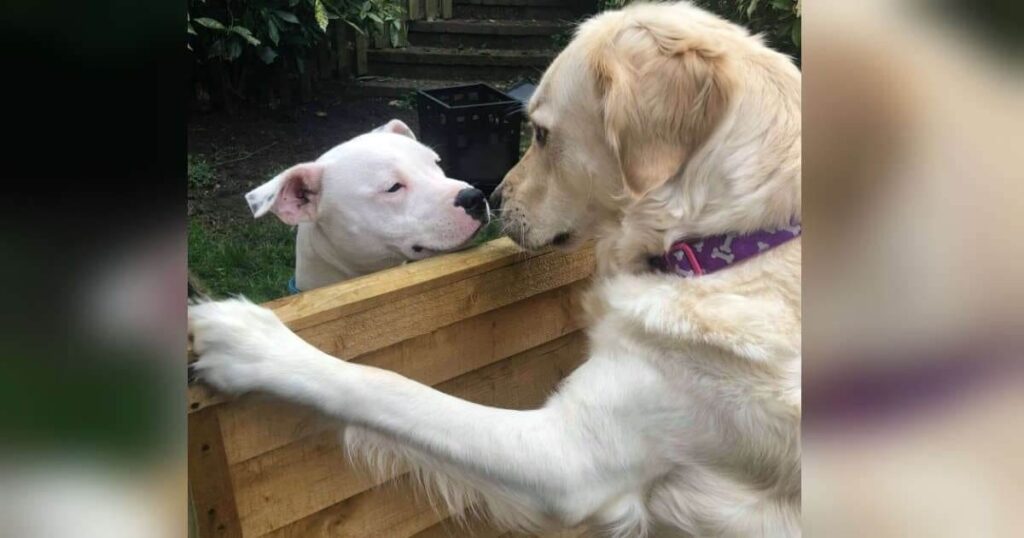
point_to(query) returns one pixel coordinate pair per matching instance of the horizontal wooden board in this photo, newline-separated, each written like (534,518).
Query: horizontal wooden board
(432,309)
(367,324)
(256,424)
(297,488)
(331,302)
(454,529)
(386,511)
(479,529)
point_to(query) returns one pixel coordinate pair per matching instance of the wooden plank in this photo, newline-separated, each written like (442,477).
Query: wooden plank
(479,529)
(343,49)
(254,425)
(324,64)
(362,44)
(385,511)
(380,35)
(446,9)
(453,529)
(433,9)
(572,533)
(416,11)
(193,526)
(403,34)
(389,323)
(292,486)
(332,302)
(212,492)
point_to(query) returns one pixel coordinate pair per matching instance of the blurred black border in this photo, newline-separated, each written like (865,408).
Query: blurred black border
(95,115)
(94,167)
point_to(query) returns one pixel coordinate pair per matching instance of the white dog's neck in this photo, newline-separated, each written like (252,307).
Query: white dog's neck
(320,261)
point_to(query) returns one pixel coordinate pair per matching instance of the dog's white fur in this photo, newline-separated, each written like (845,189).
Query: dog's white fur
(684,420)
(349,224)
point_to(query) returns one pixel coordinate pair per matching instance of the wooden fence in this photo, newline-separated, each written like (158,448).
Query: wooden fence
(493,325)
(348,47)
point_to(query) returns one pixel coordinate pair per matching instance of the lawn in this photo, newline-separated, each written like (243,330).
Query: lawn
(252,257)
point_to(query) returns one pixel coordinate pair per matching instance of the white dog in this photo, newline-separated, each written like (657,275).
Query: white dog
(371,203)
(672,135)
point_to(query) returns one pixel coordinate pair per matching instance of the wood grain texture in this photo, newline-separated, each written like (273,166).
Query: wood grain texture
(362,45)
(254,425)
(212,493)
(415,10)
(450,528)
(362,322)
(494,325)
(398,320)
(478,529)
(332,302)
(301,487)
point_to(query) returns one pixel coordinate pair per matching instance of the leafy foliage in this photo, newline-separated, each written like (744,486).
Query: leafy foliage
(236,30)
(777,20)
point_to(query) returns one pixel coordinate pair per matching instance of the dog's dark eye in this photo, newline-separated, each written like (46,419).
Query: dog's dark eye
(541,134)
(396,187)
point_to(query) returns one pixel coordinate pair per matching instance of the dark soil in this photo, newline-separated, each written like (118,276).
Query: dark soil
(246,149)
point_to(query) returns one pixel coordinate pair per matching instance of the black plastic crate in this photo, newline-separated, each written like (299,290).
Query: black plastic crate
(474,128)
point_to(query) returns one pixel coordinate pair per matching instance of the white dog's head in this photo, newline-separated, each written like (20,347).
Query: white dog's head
(377,196)
(657,122)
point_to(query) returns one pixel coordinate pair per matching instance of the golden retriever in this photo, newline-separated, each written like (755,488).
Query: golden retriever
(659,122)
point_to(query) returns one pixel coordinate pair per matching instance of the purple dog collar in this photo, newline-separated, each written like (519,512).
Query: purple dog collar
(701,256)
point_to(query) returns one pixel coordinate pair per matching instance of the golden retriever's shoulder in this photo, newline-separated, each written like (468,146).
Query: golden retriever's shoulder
(752,310)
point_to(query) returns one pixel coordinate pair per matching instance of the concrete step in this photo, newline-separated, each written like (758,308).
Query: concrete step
(487,33)
(516,9)
(434,63)
(404,88)
(394,87)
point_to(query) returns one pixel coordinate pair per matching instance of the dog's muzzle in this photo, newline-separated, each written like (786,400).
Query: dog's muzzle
(474,202)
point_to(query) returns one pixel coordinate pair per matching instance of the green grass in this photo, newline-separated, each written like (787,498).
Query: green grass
(200,173)
(254,259)
(490,232)
(231,256)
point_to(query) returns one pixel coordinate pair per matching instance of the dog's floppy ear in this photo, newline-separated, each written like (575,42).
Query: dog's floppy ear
(662,95)
(292,195)
(396,126)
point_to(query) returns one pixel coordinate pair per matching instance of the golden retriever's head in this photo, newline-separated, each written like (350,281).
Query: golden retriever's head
(618,118)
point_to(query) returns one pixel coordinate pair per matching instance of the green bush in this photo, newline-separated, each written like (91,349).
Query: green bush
(777,20)
(250,34)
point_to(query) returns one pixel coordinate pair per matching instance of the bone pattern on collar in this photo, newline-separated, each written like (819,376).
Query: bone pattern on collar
(701,256)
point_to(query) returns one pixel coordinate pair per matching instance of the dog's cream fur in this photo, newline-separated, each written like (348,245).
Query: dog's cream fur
(660,122)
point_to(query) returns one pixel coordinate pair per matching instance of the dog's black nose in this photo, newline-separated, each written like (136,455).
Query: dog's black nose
(496,197)
(474,202)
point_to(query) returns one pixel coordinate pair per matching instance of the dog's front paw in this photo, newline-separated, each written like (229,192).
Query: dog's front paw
(240,346)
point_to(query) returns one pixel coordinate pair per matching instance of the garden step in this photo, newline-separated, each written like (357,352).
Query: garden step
(487,34)
(393,87)
(516,9)
(465,64)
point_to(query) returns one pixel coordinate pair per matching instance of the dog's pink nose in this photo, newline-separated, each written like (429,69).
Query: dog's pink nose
(474,202)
